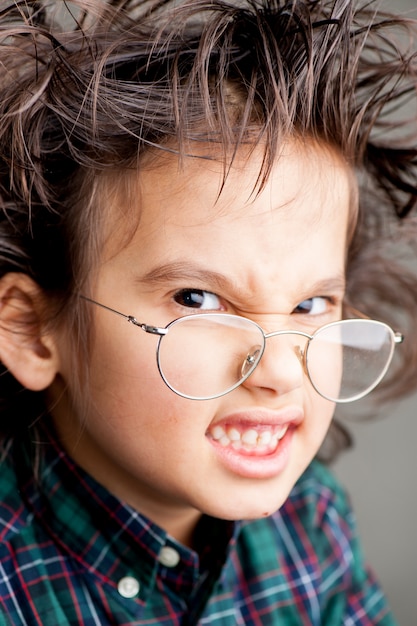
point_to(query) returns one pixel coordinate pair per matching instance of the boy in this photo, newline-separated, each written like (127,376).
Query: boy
(180,209)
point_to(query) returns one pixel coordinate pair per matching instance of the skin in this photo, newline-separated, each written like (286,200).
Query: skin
(277,258)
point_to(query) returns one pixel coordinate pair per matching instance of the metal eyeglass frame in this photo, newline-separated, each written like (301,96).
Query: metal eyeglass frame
(397,338)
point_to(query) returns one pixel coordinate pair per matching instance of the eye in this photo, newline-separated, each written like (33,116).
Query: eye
(198,299)
(313,306)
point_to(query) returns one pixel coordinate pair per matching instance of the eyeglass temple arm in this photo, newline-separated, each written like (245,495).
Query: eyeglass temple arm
(154,330)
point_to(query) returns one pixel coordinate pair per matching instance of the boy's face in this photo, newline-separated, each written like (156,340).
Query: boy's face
(277,258)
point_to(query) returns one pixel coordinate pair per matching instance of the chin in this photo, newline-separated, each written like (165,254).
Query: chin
(252,507)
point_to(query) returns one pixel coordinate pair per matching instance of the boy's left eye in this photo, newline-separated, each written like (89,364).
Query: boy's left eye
(313,306)
(198,299)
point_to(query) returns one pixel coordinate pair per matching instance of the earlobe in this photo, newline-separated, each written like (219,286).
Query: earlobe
(26,350)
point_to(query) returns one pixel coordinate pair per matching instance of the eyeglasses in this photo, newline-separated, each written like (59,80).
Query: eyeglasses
(207,355)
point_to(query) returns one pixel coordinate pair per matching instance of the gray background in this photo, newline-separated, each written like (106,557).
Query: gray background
(381,473)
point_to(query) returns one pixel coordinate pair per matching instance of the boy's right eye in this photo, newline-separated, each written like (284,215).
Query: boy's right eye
(197,299)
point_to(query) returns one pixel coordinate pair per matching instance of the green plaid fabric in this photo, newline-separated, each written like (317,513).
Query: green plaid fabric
(72,554)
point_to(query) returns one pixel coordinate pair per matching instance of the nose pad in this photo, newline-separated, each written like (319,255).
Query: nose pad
(300,354)
(281,367)
(250,361)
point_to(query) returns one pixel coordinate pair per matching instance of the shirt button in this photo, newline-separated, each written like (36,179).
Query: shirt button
(169,557)
(128,587)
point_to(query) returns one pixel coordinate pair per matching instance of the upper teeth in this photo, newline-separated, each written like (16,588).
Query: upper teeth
(249,437)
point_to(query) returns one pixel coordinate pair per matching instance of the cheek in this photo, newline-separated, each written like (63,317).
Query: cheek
(319,415)
(138,421)
(123,359)
(129,398)
(127,391)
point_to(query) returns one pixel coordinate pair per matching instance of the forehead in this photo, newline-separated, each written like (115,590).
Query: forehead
(308,182)
(262,250)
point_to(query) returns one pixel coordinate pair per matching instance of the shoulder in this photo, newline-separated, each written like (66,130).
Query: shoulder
(315,526)
(14,514)
(316,517)
(319,515)
(316,495)
(309,556)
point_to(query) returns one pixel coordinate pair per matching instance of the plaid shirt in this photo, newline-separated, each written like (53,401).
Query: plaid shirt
(72,554)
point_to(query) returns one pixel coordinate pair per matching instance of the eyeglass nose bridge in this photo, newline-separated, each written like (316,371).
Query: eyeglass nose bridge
(300,353)
(253,358)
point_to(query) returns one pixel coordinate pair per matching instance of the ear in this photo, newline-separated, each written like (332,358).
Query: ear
(29,353)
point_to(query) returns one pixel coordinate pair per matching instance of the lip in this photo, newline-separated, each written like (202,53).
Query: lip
(259,462)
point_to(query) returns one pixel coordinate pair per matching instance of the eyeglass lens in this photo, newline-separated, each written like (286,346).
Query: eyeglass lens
(205,356)
(345,361)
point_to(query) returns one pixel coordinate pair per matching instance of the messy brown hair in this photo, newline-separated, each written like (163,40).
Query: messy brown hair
(90,88)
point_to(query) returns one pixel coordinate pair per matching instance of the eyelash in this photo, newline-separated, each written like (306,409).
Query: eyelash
(202,294)
(329,301)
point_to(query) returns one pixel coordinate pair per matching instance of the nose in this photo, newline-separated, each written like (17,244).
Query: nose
(280,369)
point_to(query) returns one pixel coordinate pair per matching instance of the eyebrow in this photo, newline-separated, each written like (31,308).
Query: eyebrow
(329,285)
(183,271)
